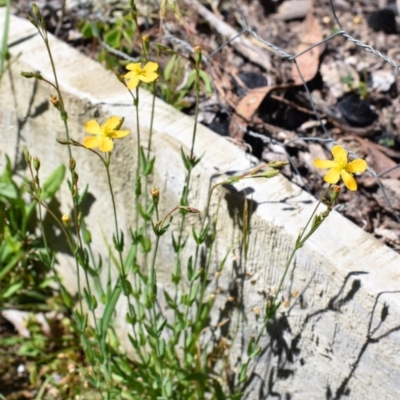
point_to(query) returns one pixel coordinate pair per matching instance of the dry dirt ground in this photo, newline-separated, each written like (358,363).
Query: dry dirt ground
(258,98)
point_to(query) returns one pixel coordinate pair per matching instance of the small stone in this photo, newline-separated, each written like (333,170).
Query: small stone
(339,77)
(74,35)
(292,9)
(382,80)
(356,111)
(326,20)
(251,80)
(383,20)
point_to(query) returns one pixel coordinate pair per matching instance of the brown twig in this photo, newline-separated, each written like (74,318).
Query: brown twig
(241,44)
(60,21)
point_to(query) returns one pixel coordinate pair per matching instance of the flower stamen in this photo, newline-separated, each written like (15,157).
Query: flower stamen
(340,167)
(104,134)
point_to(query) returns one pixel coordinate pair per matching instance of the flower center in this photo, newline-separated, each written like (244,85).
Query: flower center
(341,162)
(107,132)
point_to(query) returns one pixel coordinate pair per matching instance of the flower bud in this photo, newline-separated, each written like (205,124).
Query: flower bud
(75,177)
(190,210)
(66,220)
(64,141)
(155,194)
(277,164)
(28,75)
(54,100)
(335,193)
(146,43)
(87,237)
(72,164)
(270,173)
(35,11)
(27,156)
(325,213)
(36,164)
(197,55)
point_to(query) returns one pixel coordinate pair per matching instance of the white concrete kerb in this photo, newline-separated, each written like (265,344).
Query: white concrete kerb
(343,274)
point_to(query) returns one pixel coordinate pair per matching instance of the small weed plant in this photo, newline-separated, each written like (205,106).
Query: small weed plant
(172,357)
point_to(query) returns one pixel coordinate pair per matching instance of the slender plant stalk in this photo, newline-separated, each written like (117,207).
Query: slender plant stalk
(4,44)
(298,245)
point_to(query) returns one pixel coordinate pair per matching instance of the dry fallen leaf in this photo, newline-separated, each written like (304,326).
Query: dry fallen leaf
(379,161)
(247,107)
(308,62)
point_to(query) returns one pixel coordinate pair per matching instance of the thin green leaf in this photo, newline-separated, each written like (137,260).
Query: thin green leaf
(110,307)
(8,190)
(11,264)
(12,289)
(53,183)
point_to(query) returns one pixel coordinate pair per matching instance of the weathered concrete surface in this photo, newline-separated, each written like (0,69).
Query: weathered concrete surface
(332,342)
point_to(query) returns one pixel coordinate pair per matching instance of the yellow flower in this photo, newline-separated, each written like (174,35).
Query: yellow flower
(137,73)
(104,134)
(340,167)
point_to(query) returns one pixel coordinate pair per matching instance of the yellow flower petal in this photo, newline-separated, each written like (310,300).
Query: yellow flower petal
(348,180)
(149,77)
(357,165)
(129,75)
(93,127)
(120,134)
(133,67)
(92,142)
(106,145)
(113,123)
(339,153)
(133,82)
(150,67)
(332,176)
(324,163)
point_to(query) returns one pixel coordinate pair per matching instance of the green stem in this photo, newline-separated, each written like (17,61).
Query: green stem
(117,233)
(118,240)
(313,213)
(153,104)
(4,45)
(60,97)
(153,283)
(299,244)
(196,112)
